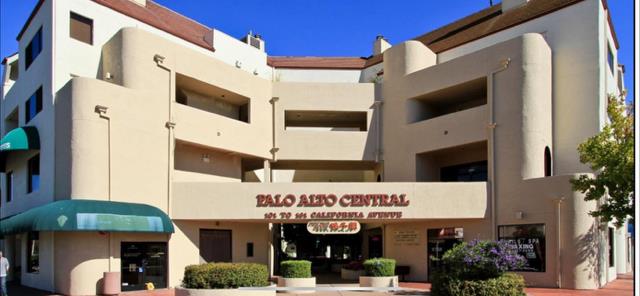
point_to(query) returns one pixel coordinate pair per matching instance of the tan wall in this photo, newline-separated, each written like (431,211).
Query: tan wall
(190,166)
(185,242)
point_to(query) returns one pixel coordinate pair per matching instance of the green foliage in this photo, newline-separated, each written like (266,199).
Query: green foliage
(295,269)
(225,276)
(610,156)
(508,284)
(380,267)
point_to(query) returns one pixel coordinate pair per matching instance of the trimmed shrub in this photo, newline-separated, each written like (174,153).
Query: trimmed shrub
(508,284)
(295,269)
(380,267)
(225,276)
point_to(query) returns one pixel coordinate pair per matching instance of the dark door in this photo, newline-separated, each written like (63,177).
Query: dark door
(143,262)
(215,245)
(439,241)
(374,237)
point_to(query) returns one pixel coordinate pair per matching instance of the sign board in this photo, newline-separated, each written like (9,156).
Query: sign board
(333,227)
(406,237)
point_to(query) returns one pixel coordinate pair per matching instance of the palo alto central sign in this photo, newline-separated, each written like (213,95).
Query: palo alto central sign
(332,206)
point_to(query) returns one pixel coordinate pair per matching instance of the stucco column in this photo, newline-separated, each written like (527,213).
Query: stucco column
(267,171)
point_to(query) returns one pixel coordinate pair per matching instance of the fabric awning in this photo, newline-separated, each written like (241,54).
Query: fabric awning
(89,215)
(22,138)
(18,139)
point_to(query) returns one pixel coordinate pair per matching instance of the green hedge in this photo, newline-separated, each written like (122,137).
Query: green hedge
(380,267)
(225,276)
(508,284)
(295,269)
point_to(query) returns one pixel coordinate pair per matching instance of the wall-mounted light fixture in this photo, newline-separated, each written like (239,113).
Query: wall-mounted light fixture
(206,158)
(519,215)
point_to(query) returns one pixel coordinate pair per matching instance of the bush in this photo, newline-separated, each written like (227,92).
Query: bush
(295,269)
(353,265)
(481,260)
(508,284)
(380,267)
(225,276)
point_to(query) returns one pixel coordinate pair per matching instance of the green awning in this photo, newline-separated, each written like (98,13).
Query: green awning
(22,138)
(89,215)
(19,139)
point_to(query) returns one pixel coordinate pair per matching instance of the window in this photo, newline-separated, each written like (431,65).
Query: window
(34,174)
(81,28)
(469,172)
(610,58)
(611,248)
(249,249)
(33,105)
(33,252)
(215,245)
(529,241)
(9,182)
(547,162)
(33,49)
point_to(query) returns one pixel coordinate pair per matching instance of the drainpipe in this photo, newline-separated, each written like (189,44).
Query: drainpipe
(504,64)
(102,112)
(170,125)
(377,105)
(559,244)
(274,148)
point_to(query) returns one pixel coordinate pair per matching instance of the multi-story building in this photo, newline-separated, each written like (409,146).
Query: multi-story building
(136,140)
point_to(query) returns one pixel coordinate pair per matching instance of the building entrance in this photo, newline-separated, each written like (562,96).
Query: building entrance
(143,262)
(327,252)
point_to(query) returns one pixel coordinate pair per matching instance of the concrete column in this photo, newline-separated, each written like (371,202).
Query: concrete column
(267,171)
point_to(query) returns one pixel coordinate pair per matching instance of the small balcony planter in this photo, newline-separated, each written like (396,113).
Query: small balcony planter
(352,271)
(225,279)
(379,273)
(296,274)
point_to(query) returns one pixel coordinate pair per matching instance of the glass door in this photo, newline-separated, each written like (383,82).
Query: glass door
(439,241)
(142,263)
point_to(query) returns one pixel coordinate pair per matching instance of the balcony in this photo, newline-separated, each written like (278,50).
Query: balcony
(297,202)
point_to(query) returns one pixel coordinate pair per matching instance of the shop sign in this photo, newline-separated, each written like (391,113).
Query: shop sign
(333,227)
(331,206)
(406,237)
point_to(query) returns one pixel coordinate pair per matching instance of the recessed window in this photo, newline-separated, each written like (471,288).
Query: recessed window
(9,185)
(610,58)
(547,162)
(81,28)
(33,252)
(612,262)
(33,183)
(325,120)
(33,105)
(528,240)
(249,249)
(33,49)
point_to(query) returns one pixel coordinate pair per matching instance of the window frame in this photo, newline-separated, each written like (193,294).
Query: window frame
(611,59)
(30,173)
(74,16)
(30,57)
(32,237)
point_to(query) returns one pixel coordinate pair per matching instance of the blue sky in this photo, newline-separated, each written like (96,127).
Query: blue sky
(325,27)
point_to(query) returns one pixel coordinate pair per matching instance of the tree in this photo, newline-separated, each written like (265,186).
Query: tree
(610,156)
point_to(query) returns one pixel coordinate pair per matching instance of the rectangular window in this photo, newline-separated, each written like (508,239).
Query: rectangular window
(249,249)
(33,252)
(34,174)
(469,172)
(611,248)
(33,106)
(9,187)
(33,49)
(81,28)
(529,241)
(610,58)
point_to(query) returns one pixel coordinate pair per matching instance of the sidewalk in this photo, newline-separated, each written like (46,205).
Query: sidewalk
(623,286)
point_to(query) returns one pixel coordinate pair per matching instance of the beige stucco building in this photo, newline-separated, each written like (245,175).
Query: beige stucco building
(467,132)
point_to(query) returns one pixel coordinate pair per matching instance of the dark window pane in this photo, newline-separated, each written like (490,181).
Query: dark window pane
(9,185)
(33,106)
(610,58)
(33,48)
(34,174)
(249,249)
(469,172)
(215,245)
(33,253)
(81,28)
(529,241)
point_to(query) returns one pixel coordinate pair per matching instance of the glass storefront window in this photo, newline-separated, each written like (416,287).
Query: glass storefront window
(529,241)
(33,252)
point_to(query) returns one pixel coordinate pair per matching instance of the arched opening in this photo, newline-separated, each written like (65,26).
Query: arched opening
(547,162)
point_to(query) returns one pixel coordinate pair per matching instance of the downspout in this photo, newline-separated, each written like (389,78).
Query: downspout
(274,143)
(504,64)
(378,109)
(102,112)
(559,244)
